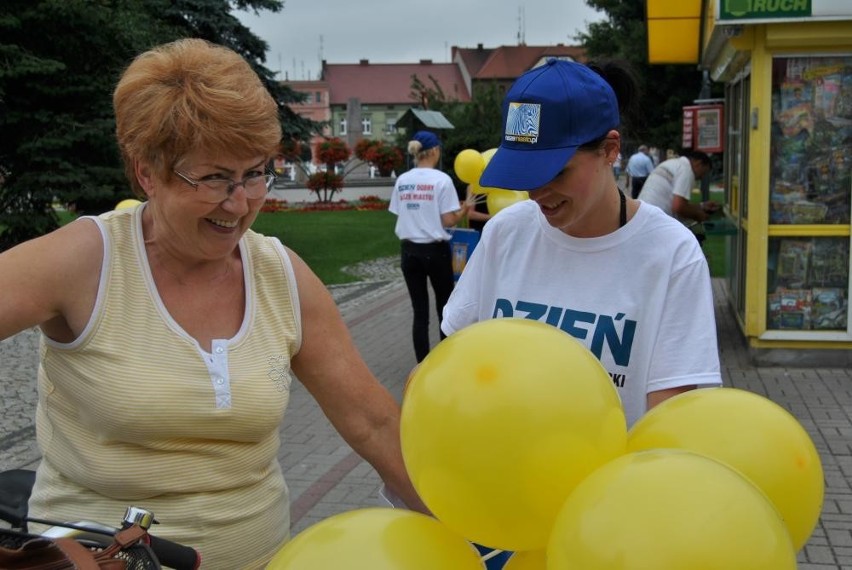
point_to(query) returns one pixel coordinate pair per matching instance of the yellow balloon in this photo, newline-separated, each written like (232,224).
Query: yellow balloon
(487,154)
(486,157)
(752,434)
(377,539)
(128,203)
(668,510)
(497,199)
(527,560)
(500,422)
(469,165)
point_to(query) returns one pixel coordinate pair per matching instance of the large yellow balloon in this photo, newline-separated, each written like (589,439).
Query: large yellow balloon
(500,422)
(377,539)
(128,203)
(750,433)
(497,199)
(668,510)
(527,560)
(469,165)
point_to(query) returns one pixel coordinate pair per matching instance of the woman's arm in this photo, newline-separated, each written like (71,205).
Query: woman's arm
(362,410)
(51,281)
(450,219)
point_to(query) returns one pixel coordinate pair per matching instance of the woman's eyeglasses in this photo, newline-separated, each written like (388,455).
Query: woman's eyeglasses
(215,189)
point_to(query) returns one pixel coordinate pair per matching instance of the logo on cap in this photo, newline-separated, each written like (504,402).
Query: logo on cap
(522,122)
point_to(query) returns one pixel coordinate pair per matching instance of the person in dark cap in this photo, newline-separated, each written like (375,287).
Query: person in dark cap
(425,202)
(628,281)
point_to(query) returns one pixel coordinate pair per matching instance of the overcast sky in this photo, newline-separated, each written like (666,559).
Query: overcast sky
(406,31)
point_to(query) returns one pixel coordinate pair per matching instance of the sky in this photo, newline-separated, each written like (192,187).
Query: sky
(406,31)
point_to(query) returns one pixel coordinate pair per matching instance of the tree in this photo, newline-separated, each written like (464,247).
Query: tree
(666,88)
(59,62)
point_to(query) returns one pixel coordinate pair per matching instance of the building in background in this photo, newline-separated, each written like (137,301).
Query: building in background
(366,100)
(503,64)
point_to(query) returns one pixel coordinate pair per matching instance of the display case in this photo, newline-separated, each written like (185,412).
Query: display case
(810,190)
(810,140)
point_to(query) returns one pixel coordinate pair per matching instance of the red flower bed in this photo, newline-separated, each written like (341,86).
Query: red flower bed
(273,205)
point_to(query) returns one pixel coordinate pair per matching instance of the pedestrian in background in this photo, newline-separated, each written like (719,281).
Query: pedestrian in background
(670,188)
(639,167)
(425,202)
(617,166)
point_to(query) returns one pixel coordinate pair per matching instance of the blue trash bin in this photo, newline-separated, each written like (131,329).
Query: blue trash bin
(462,244)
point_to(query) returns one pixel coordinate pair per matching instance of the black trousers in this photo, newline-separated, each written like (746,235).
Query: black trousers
(636,184)
(422,263)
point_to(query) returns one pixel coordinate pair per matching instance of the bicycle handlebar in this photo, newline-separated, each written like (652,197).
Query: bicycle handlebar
(174,555)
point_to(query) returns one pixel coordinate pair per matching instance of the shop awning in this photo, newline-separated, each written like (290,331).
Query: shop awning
(674,31)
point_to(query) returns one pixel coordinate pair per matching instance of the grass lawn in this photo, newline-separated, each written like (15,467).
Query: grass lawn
(328,241)
(714,245)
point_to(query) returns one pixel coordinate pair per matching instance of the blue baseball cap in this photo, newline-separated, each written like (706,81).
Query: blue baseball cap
(427,139)
(548,112)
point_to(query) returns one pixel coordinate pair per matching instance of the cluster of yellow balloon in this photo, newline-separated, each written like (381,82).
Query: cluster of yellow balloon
(750,433)
(515,438)
(716,478)
(469,165)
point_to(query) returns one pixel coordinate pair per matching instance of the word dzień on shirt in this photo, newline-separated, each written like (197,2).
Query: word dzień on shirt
(604,328)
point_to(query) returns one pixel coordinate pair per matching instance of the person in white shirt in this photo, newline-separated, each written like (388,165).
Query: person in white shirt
(639,167)
(425,202)
(669,187)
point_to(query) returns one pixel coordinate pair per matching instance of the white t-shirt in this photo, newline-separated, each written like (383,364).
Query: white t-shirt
(419,198)
(640,298)
(673,177)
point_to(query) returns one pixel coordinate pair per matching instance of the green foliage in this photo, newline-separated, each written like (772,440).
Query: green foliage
(59,62)
(666,88)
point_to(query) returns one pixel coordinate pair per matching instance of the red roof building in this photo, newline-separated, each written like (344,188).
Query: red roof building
(504,64)
(366,99)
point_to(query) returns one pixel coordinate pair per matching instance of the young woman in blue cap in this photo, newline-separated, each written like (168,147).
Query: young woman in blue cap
(621,276)
(425,202)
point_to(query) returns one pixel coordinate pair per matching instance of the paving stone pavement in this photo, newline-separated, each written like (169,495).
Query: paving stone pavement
(326,477)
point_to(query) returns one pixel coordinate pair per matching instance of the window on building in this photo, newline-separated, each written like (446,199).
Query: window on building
(390,126)
(343,126)
(367,125)
(318,97)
